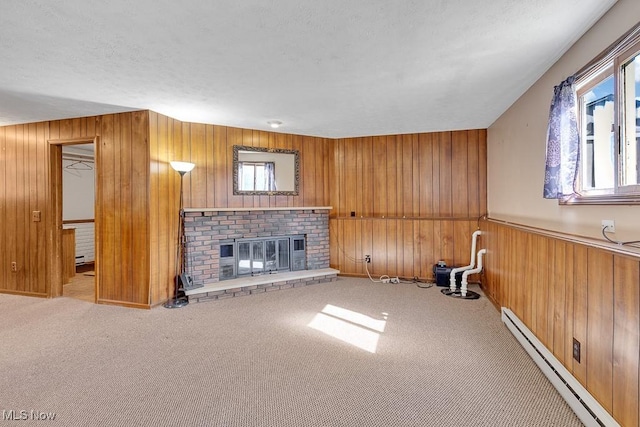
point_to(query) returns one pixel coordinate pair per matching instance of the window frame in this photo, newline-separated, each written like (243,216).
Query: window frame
(608,63)
(254,165)
(632,52)
(602,74)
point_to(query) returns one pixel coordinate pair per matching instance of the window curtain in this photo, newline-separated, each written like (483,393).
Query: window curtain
(270,175)
(240,176)
(563,143)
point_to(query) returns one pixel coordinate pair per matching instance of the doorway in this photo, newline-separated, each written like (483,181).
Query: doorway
(73,184)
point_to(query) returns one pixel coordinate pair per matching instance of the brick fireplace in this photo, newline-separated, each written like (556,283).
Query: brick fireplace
(207,229)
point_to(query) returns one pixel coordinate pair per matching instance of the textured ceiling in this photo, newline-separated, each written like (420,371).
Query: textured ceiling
(330,68)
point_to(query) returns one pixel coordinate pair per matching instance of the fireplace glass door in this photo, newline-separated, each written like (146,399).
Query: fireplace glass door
(251,257)
(268,255)
(244,258)
(283,254)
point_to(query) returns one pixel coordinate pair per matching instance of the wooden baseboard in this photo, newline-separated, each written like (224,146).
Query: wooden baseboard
(124,304)
(24,293)
(490,298)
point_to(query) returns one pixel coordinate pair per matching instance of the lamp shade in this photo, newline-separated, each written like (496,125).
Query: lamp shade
(182,166)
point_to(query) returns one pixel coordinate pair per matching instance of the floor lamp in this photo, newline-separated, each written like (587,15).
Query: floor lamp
(180,301)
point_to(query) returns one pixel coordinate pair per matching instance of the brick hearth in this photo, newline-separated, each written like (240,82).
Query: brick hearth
(259,284)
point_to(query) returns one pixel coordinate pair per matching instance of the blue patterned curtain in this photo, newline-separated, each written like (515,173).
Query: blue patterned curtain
(563,143)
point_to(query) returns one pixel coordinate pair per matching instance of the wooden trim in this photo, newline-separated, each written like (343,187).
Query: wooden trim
(377,277)
(573,238)
(413,218)
(97,229)
(54,205)
(283,208)
(78,221)
(73,141)
(358,275)
(24,293)
(123,304)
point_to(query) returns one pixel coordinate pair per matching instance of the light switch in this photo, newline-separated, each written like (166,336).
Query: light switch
(36,216)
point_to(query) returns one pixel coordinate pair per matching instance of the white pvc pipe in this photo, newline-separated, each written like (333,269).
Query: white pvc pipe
(463,285)
(472,263)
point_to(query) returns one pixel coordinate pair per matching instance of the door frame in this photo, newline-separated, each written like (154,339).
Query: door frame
(54,286)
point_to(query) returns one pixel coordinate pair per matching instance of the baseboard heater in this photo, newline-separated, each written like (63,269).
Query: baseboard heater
(585,406)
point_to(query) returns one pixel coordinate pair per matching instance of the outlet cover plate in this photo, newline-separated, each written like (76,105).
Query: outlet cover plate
(609,224)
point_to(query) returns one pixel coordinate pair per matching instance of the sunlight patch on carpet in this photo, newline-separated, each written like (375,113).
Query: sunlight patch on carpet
(349,326)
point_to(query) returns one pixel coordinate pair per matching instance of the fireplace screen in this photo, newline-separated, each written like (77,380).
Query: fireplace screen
(261,256)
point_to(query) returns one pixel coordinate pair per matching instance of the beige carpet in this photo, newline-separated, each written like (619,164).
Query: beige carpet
(421,359)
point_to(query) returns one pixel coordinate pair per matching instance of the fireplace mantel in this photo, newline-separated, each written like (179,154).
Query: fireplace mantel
(282,208)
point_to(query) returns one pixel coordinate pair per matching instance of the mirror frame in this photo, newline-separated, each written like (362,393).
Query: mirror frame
(296,178)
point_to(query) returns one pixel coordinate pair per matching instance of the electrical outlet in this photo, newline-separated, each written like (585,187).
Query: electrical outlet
(367,259)
(395,280)
(609,225)
(576,350)
(14,266)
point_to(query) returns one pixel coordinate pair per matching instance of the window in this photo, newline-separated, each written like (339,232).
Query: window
(256,176)
(630,120)
(597,124)
(608,96)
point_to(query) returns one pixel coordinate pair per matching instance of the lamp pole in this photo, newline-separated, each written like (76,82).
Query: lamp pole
(179,301)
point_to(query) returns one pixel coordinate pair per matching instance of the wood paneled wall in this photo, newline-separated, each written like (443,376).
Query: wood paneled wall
(415,200)
(122,163)
(427,175)
(210,183)
(416,197)
(24,167)
(136,196)
(122,209)
(405,248)
(563,290)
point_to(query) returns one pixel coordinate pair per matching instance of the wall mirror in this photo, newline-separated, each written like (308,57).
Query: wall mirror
(265,171)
